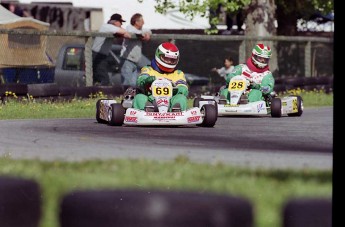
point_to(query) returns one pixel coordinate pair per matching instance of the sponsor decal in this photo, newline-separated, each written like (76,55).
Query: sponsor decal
(131,119)
(260,107)
(231,105)
(132,112)
(167,114)
(284,103)
(193,119)
(193,112)
(162,102)
(230,111)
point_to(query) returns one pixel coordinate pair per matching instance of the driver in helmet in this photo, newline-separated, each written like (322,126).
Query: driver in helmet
(257,70)
(163,65)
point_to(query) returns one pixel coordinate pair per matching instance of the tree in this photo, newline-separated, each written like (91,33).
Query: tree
(284,12)
(261,16)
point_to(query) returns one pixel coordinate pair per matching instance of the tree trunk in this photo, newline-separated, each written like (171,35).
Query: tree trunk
(260,21)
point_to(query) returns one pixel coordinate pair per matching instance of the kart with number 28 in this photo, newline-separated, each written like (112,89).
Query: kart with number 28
(238,104)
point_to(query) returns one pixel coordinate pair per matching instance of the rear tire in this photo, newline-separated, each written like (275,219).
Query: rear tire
(116,114)
(196,102)
(276,107)
(299,107)
(98,112)
(210,115)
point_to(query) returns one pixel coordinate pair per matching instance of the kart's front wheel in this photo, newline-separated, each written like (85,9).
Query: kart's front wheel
(210,115)
(276,107)
(299,106)
(116,114)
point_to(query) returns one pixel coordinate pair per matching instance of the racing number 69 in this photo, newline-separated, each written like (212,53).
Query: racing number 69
(162,90)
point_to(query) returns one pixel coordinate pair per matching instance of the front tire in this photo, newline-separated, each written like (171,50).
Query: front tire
(299,108)
(210,115)
(116,114)
(276,107)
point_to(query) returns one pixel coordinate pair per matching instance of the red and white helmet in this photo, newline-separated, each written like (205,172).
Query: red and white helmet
(167,56)
(261,55)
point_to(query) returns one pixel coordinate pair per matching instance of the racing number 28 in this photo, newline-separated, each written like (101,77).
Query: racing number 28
(237,85)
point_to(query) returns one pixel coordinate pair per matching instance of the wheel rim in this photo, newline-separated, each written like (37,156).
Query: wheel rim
(110,115)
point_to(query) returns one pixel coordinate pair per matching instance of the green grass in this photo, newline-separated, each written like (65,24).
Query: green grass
(267,190)
(29,108)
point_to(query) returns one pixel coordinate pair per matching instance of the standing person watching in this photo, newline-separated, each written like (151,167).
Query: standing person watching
(131,53)
(102,46)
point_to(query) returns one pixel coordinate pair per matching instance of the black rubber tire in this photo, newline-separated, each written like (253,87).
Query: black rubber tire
(20,202)
(211,115)
(276,107)
(299,107)
(308,212)
(135,208)
(99,120)
(196,101)
(117,114)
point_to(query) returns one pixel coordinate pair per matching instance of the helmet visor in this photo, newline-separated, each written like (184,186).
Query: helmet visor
(171,60)
(261,60)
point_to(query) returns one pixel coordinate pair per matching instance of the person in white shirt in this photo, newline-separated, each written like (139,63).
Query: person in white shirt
(226,69)
(131,53)
(101,47)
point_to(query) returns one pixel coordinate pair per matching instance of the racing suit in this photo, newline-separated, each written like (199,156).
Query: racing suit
(262,81)
(148,74)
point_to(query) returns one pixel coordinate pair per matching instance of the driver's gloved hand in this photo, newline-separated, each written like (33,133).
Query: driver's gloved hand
(150,79)
(255,86)
(265,89)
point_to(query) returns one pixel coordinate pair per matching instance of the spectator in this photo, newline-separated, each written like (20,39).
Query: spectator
(226,69)
(102,45)
(230,22)
(131,53)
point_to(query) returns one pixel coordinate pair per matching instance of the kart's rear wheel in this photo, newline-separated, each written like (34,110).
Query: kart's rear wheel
(196,102)
(116,114)
(299,107)
(210,115)
(98,112)
(276,107)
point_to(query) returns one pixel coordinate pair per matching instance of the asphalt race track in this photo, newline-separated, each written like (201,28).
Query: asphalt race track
(265,142)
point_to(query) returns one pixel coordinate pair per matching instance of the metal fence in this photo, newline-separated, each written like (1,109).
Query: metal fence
(294,57)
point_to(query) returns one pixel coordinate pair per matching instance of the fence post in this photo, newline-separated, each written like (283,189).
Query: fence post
(88,61)
(242,52)
(307,60)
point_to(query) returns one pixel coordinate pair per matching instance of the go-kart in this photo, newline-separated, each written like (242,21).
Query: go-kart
(238,104)
(117,114)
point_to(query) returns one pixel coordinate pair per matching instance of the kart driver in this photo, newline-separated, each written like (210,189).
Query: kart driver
(163,65)
(257,71)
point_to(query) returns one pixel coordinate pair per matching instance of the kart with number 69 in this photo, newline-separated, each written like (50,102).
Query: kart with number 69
(117,114)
